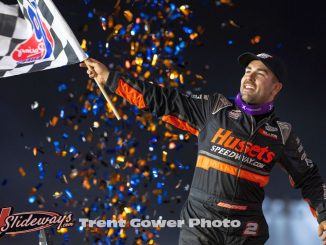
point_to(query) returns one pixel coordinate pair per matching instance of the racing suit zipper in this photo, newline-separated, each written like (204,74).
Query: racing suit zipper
(252,133)
(252,126)
(245,146)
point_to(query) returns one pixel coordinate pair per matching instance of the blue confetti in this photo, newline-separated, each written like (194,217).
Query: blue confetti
(62,113)
(31,199)
(159,199)
(68,194)
(187,30)
(90,15)
(40,166)
(65,136)
(155,172)
(62,87)
(72,150)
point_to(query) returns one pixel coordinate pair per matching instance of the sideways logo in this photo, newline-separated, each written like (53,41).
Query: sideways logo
(267,134)
(234,114)
(270,128)
(40,45)
(15,223)
(200,96)
(303,153)
(224,138)
(264,56)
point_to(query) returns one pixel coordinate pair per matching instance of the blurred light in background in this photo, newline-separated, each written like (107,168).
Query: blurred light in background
(290,223)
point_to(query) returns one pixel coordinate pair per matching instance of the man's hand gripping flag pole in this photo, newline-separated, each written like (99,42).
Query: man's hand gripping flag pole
(114,110)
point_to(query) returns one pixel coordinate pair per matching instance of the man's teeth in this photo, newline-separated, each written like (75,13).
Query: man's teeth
(249,87)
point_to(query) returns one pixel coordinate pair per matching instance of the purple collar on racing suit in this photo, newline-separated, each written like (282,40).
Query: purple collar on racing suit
(253,109)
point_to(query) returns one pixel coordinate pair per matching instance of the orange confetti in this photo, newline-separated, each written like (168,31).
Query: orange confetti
(86,184)
(184,9)
(86,210)
(227,2)
(255,40)
(62,230)
(172,145)
(146,174)
(128,15)
(110,232)
(83,45)
(174,75)
(34,151)
(121,158)
(200,77)
(139,61)
(157,192)
(33,191)
(200,29)
(147,74)
(172,166)
(57,194)
(61,153)
(181,79)
(54,121)
(141,162)
(42,112)
(123,234)
(117,28)
(193,36)
(164,156)
(114,199)
(232,23)
(22,171)
(154,59)
(150,236)
(127,64)
(110,22)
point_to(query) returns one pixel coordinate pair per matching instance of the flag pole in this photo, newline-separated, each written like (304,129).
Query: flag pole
(115,112)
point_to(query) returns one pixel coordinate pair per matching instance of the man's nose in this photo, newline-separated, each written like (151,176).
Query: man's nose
(252,76)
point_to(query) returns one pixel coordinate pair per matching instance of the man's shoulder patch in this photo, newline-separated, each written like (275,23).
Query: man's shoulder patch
(221,103)
(285,129)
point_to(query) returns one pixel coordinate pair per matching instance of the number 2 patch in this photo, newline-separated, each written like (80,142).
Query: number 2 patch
(251,229)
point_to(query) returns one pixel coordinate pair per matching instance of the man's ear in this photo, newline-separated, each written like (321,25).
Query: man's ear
(277,87)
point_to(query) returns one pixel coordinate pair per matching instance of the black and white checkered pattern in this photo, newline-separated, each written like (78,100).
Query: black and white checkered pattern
(15,29)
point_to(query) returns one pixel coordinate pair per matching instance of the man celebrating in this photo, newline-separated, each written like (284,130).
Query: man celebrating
(239,142)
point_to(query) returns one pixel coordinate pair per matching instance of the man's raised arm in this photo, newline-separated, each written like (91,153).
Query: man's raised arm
(188,113)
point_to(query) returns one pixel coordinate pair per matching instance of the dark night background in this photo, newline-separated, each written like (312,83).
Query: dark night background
(294,30)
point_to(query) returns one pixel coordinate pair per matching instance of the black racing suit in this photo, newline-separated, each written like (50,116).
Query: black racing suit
(235,158)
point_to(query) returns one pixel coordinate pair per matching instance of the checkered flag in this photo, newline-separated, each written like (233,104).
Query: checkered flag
(35,38)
